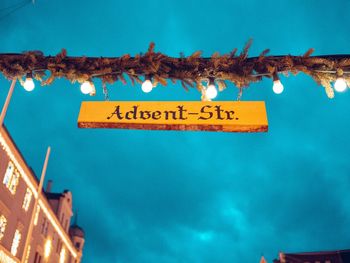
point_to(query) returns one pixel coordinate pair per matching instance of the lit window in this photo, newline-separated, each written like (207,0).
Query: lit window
(27,199)
(48,245)
(15,242)
(63,255)
(8,174)
(14,182)
(36,218)
(11,178)
(3,223)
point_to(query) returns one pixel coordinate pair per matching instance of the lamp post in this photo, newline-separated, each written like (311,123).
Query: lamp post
(7,102)
(37,198)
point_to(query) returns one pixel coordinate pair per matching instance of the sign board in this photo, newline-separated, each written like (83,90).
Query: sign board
(240,116)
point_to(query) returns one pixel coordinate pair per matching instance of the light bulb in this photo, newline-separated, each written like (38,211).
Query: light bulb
(28,84)
(87,87)
(340,84)
(147,86)
(277,87)
(211,91)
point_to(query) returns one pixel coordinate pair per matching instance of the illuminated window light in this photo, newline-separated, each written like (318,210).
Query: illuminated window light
(3,223)
(5,258)
(15,242)
(9,153)
(11,178)
(27,199)
(63,255)
(47,249)
(14,182)
(36,217)
(8,174)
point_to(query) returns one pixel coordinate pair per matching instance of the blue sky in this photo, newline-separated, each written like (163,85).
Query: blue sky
(153,196)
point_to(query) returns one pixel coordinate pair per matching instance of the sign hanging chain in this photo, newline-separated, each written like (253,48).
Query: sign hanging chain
(240,93)
(105,91)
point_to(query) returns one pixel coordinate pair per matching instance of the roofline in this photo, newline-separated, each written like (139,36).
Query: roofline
(20,153)
(320,252)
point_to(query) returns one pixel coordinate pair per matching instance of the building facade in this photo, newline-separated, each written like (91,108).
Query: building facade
(53,238)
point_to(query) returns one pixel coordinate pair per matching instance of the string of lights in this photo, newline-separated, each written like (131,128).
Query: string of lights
(208,75)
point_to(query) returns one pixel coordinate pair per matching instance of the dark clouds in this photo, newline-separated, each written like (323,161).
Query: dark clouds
(191,197)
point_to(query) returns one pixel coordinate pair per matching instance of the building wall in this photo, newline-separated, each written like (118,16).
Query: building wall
(50,237)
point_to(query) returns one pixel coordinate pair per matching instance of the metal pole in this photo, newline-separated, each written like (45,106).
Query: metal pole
(31,223)
(7,102)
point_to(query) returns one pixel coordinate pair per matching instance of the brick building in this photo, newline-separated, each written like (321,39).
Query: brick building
(53,238)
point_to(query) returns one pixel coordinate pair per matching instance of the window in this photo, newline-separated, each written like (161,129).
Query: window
(77,245)
(47,249)
(44,227)
(63,255)
(27,199)
(3,223)
(66,225)
(36,218)
(37,258)
(11,178)
(62,218)
(8,174)
(15,242)
(47,227)
(58,245)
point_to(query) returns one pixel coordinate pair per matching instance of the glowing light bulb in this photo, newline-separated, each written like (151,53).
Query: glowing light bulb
(340,84)
(87,87)
(147,86)
(211,91)
(28,84)
(277,87)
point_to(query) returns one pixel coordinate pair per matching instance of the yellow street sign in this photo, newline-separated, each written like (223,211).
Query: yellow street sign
(240,116)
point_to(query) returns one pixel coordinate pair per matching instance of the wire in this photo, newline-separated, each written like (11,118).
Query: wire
(13,6)
(14,9)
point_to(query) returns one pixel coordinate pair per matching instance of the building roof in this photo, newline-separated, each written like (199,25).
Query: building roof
(76,231)
(336,256)
(55,196)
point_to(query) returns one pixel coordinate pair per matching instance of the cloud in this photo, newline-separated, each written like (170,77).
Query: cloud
(150,196)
